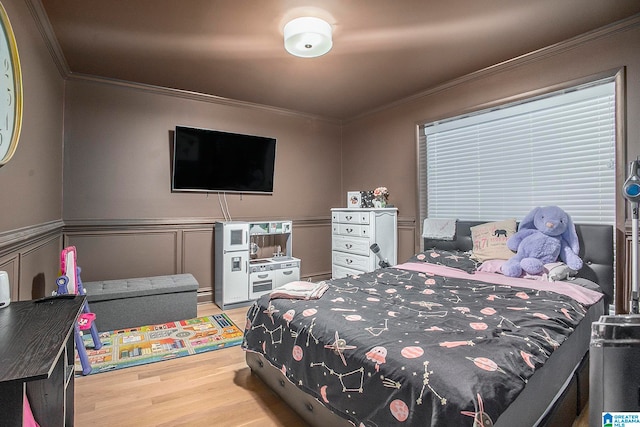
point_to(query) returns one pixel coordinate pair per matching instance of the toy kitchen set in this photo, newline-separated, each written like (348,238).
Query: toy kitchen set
(252,259)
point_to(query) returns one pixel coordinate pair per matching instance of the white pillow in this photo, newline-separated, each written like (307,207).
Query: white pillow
(558,271)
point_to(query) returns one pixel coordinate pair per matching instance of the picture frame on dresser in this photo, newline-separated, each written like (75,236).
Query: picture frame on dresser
(354,199)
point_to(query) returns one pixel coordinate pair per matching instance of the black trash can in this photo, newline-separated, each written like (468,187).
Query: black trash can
(614,371)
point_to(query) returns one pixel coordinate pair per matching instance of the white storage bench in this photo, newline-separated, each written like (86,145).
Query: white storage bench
(127,303)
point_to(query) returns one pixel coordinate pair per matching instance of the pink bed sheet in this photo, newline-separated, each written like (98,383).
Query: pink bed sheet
(577,292)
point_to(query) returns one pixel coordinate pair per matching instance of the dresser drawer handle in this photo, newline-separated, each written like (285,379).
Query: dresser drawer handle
(349,261)
(349,217)
(348,245)
(349,230)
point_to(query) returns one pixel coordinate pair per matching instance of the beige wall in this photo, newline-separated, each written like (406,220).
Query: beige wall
(118,206)
(36,167)
(31,183)
(117,156)
(390,134)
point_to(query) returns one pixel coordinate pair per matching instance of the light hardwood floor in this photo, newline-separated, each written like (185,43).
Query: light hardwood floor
(210,389)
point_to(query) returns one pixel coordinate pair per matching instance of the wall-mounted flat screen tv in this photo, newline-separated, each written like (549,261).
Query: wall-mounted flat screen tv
(213,161)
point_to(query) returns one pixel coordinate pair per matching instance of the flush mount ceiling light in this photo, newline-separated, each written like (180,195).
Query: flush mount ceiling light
(307,37)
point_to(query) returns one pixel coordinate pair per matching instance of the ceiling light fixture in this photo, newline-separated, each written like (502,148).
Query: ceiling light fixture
(307,37)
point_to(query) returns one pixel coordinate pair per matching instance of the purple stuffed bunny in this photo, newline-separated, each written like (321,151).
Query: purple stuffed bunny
(545,234)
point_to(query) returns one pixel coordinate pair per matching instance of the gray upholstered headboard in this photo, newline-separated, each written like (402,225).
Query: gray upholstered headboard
(596,250)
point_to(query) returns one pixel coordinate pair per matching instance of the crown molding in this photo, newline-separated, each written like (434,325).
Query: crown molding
(48,35)
(44,26)
(534,56)
(196,96)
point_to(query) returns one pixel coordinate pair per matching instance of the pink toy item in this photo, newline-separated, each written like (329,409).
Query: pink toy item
(70,283)
(27,415)
(85,320)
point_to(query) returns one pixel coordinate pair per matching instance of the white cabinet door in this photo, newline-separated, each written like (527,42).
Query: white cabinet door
(236,277)
(261,282)
(236,236)
(287,275)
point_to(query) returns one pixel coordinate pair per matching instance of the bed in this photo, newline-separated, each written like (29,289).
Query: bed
(435,342)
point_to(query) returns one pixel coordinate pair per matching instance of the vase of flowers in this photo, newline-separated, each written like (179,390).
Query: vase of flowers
(380,197)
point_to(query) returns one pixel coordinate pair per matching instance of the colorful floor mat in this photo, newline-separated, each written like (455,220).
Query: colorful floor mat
(147,344)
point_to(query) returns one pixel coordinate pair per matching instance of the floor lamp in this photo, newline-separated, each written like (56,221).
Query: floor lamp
(631,192)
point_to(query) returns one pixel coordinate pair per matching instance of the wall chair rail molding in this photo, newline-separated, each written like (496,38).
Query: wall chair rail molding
(162,246)
(30,257)
(79,225)
(14,240)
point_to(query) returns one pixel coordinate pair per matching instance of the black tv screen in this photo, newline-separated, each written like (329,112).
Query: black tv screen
(213,161)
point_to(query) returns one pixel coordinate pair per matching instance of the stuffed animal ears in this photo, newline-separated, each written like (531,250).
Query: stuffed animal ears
(528,221)
(571,236)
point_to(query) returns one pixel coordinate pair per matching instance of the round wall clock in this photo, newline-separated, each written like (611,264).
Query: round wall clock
(10,90)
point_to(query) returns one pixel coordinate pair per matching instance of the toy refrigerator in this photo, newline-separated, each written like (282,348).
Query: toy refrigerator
(231,263)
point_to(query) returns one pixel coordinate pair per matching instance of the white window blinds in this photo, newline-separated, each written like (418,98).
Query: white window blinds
(559,150)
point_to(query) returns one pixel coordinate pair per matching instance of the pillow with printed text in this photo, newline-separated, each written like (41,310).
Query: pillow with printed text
(490,240)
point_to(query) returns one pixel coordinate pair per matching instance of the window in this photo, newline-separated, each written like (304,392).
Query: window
(553,150)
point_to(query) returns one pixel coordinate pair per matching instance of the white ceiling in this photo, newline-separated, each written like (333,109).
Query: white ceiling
(383,50)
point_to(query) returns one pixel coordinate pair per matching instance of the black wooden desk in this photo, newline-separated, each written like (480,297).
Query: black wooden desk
(37,355)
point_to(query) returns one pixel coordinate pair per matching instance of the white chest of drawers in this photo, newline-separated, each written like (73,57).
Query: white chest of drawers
(353,231)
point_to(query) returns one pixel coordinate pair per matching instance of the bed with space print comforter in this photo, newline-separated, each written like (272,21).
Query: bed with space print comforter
(428,342)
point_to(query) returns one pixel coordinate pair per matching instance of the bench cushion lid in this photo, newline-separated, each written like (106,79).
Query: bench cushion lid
(142,286)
